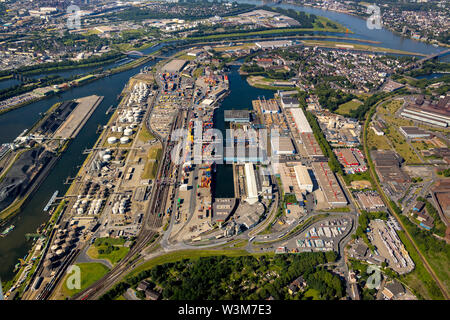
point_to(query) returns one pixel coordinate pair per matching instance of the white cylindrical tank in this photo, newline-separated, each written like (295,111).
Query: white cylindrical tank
(112,140)
(107,158)
(128,132)
(124,140)
(119,129)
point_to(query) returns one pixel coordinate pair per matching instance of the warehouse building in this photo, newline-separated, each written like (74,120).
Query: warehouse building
(290,182)
(303,178)
(283,146)
(370,201)
(273,44)
(239,116)
(175,65)
(250,180)
(435,113)
(300,120)
(269,106)
(311,145)
(222,209)
(266,186)
(235,154)
(414,133)
(329,184)
(347,158)
(290,102)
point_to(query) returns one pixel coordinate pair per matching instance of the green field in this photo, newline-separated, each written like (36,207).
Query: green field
(264,32)
(110,249)
(198,72)
(376,142)
(312,293)
(151,166)
(145,135)
(186,57)
(344,109)
(419,280)
(90,273)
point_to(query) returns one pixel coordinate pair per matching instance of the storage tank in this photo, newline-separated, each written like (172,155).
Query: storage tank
(128,132)
(124,140)
(106,157)
(119,129)
(112,140)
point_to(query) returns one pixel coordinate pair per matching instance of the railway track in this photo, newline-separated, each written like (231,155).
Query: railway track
(154,221)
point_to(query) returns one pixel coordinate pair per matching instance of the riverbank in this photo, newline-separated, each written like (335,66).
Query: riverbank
(441,44)
(67,130)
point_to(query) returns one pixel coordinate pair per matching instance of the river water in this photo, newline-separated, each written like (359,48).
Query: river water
(14,246)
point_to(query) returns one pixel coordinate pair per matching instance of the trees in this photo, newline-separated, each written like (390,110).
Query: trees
(244,277)
(333,162)
(330,98)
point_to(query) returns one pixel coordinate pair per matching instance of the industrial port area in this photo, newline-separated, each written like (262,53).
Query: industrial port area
(140,182)
(148,185)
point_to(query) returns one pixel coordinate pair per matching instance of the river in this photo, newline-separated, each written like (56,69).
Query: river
(14,246)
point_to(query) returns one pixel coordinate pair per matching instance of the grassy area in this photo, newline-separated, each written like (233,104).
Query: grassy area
(145,135)
(354,46)
(186,57)
(153,157)
(91,32)
(401,146)
(376,142)
(263,32)
(344,109)
(312,293)
(90,273)
(419,280)
(398,141)
(111,249)
(198,72)
(265,83)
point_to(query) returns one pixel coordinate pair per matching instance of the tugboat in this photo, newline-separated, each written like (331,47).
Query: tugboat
(7,231)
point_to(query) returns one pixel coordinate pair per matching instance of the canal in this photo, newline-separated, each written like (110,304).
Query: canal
(240,98)
(14,246)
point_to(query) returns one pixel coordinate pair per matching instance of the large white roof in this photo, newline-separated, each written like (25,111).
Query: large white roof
(300,120)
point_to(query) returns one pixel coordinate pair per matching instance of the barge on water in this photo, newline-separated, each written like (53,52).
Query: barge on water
(7,231)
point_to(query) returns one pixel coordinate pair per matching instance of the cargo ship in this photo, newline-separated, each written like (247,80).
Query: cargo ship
(7,231)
